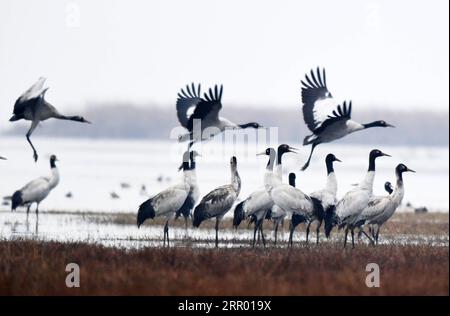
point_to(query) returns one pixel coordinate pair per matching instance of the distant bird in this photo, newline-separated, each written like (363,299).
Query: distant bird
(219,201)
(355,201)
(381,208)
(143,191)
(114,196)
(69,195)
(327,120)
(200,115)
(125,185)
(194,192)
(32,106)
(326,197)
(166,203)
(37,190)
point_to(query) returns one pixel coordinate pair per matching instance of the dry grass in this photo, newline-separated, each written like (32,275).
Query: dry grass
(36,268)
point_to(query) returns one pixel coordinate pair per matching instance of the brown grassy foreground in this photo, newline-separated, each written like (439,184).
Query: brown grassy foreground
(36,268)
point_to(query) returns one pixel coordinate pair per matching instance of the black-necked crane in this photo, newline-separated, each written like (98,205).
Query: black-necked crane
(287,197)
(327,119)
(166,203)
(37,190)
(194,192)
(32,106)
(326,197)
(219,201)
(381,208)
(200,115)
(355,201)
(259,204)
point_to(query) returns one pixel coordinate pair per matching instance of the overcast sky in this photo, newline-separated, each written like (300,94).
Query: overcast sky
(377,53)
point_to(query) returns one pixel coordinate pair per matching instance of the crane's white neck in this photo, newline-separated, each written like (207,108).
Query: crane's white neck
(54,179)
(367,183)
(331,185)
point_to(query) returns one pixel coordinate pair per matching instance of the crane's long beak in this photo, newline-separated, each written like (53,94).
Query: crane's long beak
(410,170)
(261,154)
(338,160)
(3,158)
(389,125)
(293,150)
(387,155)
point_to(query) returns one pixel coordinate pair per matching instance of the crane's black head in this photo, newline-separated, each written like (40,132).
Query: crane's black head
(292,179)
(251,125)
(329,162)
(379,123)
(285,148)
(374,154)
(331,158)
(388,187)
(53,161)
(402,168)
(269,151)
(233,162)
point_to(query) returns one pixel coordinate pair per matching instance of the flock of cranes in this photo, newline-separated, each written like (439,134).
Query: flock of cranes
(327,119)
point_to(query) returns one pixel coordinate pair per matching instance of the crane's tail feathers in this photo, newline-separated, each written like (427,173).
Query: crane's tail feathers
(297,219)
(145,211)
(239,214)
(16,200)
(200,215)
(15,117)
(186,208)
(309,139)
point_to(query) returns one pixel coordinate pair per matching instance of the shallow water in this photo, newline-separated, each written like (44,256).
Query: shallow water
(94,229)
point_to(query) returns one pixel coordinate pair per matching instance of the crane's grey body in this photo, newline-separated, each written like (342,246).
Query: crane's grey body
(32,106)
(356,200)
(219,201)
(325,117)
(381,208)
(200,115)
(166,203)
(37,190)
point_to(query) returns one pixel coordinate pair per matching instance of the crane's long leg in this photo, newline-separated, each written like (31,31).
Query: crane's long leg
(363,232)
(345,238)
(310,156)
(276,231)
(166,228)
(33,126)
(254,235)
(307,232)
(262,232)
(377,233)
(291,233)
(318,232)
(217,232)
(353,237)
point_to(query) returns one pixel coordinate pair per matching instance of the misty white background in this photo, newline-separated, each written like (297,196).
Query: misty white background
(377,53)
